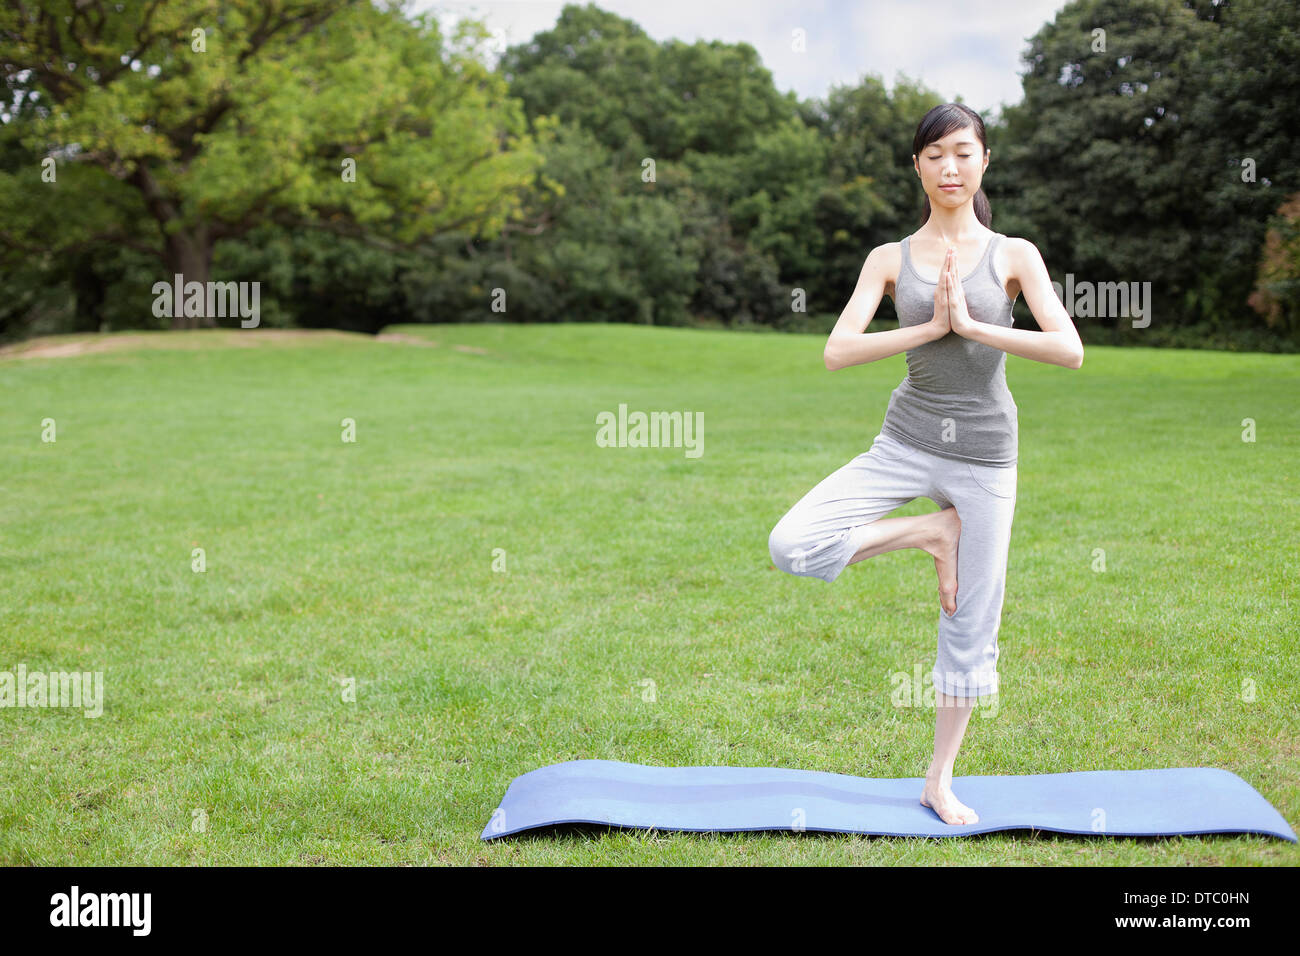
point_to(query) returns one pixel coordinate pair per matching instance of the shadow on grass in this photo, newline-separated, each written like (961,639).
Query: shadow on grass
(586,832)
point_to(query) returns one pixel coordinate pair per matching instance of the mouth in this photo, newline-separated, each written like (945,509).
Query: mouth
(950,186)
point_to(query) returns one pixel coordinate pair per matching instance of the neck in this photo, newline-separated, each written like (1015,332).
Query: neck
(952,225)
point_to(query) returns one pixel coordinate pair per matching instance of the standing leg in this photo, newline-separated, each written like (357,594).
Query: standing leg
(951,716)
(966,666)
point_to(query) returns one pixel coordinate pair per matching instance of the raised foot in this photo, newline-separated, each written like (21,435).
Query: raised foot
(943,546)
(944,802)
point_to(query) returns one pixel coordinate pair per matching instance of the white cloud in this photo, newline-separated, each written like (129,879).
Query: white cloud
(969,48)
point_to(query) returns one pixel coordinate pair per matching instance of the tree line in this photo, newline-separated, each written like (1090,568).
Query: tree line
(366,169)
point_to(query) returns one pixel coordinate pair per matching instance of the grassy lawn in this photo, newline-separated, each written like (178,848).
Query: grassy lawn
(226,737)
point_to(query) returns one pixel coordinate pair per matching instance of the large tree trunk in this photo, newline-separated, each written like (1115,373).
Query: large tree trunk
(90,291)
(190,254)
(187,253)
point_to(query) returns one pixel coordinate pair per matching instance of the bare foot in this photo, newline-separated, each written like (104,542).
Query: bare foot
(939,797)
(947,532)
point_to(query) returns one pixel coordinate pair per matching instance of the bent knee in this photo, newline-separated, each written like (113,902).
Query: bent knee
(790,548)
(782,545)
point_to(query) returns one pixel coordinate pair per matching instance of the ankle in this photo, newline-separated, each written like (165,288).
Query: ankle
(939,774)
(933,538)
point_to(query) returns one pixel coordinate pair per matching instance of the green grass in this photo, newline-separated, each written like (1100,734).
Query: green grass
(374,561)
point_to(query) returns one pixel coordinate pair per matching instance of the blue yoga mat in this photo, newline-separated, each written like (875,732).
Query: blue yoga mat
(1163,802)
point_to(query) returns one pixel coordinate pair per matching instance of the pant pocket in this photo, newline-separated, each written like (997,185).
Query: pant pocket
(889,448)
(997,481)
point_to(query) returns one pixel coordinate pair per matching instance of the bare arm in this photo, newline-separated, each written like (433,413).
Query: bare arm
(1058,343)
(849,342)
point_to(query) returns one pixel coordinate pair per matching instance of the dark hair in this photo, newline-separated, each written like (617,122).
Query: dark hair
(937,124)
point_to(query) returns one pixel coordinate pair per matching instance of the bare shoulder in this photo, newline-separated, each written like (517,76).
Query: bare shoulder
(1019,255)
(883,262)
(885,253)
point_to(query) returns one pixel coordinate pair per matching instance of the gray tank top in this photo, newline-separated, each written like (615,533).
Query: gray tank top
(954,401)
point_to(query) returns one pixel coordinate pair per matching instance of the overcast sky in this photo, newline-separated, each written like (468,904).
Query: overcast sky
(969,48)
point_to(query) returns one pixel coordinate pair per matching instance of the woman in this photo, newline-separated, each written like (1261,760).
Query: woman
(950,432)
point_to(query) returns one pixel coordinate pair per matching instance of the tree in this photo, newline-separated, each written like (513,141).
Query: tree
(174,125)
(638,97)
(1127,152)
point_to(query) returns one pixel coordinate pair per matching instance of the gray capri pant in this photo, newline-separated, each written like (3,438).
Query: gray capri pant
(818,536)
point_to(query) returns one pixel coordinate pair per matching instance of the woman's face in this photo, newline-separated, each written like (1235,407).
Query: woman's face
(957,158)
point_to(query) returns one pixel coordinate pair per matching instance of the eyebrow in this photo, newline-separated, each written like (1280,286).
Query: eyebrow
(965,142)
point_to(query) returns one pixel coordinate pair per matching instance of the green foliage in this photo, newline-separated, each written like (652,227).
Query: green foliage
(594,174)
(1126,163)
(638,97)
(176,129)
